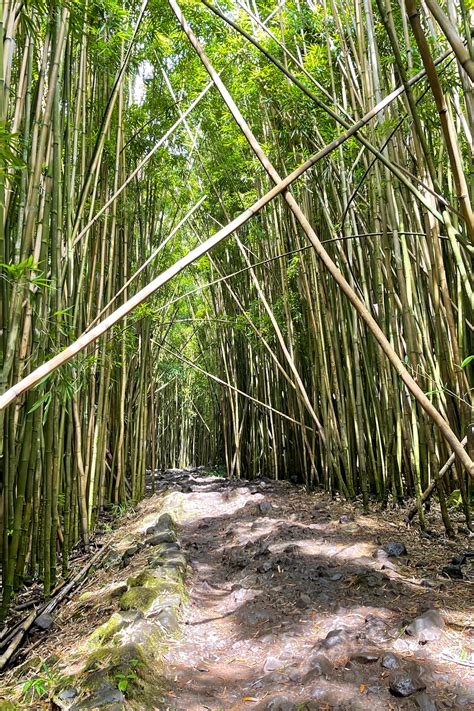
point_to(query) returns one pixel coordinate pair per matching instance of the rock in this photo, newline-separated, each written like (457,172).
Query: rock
(316,664)
(453,571)
(365,657)
(44,621)
(303,600)
(375,629)
(334,638)
(294,676)
(425,702)
(112,559)
(462,558)
(167,620)
(280,703)
(390,661)
(346,519)
(159,538)
(427,627)
(271,664)
(68,694)
(165,521)
(130,552)
(404,645)
(265,507)
(106,695)
(403,684)
(175,561)
(138,598)
(265,567)
(63,700)
(394,549)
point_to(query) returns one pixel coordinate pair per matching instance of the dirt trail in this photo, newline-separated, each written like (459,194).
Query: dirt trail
(295,605)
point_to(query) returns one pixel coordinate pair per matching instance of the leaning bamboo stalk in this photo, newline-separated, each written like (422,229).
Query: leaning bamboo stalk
(427,493)
(337,275)
(142,163)
(463,56)
(80,344)
(77,347)
(149,259)
(449,133)
(339,119)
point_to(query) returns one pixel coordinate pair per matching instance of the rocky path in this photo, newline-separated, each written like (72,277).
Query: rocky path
(290,602)
(295,604)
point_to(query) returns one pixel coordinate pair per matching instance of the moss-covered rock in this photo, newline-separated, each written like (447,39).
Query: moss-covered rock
(104,633)
(146,579)
(170,563)
(139,598)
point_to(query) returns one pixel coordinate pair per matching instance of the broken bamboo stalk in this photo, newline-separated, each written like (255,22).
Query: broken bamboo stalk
(427,493)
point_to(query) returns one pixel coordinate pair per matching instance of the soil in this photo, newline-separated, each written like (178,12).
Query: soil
(275,570)
(293,604)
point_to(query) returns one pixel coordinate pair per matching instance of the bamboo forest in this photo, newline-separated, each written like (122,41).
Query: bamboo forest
(236,354)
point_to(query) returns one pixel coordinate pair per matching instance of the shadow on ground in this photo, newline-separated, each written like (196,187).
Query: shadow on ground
(294,605)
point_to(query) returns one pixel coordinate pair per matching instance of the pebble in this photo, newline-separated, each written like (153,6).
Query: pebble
(44,621)
(316,664)
(265,507)
(304,600)
(365,657)
(453,571)
(334,638)
(271,664)
(390,661)
(427,627)
(394,549)
(403,684)
(68,694)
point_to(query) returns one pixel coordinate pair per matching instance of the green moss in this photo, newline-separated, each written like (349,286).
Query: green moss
(104,633)
(7,705)
(138,598)
(97,660)
(145,579)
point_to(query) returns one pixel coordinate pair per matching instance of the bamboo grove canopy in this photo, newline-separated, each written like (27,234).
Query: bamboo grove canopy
(235,234)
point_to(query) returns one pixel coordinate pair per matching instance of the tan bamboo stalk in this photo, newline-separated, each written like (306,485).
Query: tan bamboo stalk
(463,56)
(81,343)
(446,123)
(213,377)
(324,256)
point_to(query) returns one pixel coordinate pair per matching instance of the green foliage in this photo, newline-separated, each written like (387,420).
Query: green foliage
(21,271)
(41,687)
(124,679)
(9,153)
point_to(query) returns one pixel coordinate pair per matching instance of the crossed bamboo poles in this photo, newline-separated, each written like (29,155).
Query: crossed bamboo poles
(281,187)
